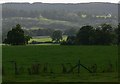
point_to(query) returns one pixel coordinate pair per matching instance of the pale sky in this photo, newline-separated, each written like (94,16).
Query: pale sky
(60,1)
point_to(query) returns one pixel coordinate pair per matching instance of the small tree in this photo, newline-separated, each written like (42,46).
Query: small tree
(56,36)
(16,36)
(27,38)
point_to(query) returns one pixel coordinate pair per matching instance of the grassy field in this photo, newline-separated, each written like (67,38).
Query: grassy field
(54,56)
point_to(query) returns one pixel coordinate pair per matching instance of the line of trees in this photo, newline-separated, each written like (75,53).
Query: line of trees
(88,35)
(104,34)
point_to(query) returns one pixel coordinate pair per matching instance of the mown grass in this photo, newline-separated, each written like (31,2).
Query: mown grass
(41,39)
(55,55)
(44,38)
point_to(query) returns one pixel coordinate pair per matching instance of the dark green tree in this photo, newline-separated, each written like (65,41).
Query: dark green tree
(85,35)
(71,40)
(16,36)
(117,31)
(56,36)
(104,35)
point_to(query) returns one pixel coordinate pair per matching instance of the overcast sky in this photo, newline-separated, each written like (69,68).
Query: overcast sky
(60,1)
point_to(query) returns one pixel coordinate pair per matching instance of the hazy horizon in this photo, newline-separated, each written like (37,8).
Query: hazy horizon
(56,1)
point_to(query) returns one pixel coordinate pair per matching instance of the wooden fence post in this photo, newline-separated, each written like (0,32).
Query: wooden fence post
(15,67)
(78,66)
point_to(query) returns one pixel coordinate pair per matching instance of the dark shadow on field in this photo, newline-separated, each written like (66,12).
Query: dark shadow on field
(61,83)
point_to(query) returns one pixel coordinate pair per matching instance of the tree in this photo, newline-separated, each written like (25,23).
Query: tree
(117,31)
(16,36)
(85,35)
(56,36)
(106,28)
(71,40)
(104,35)
(27,38)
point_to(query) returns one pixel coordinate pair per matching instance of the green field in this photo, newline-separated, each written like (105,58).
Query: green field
(44,38)
(54,56)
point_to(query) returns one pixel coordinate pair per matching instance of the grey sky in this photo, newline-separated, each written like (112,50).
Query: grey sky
(60,1)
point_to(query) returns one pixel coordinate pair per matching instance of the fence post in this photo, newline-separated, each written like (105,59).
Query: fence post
(15,67)
(78,66)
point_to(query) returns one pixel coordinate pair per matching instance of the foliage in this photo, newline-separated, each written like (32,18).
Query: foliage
(104,35)
(16,36)
(57,36)
(118,33)
(69,41)
(27,38)
(84,35)
(88,35)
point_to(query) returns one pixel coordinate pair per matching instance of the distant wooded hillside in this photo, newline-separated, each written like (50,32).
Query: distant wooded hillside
(57,16)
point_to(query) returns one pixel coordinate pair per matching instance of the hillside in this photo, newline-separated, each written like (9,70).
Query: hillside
(58,15)
(94,8)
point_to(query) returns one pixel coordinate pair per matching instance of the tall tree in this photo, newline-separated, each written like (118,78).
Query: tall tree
(84,35)
(16,36)
(104,35)
(117,31)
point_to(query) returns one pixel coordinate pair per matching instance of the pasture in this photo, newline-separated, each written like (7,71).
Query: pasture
(53,57)
(44,38)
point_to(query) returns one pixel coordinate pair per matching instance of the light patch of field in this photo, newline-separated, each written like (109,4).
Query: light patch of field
(41,39)
(44,38)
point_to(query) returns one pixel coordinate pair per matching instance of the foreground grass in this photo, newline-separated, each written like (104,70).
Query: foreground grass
(55,55)
(100,77)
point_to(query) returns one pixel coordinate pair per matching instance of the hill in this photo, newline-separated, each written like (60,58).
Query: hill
(58,15)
